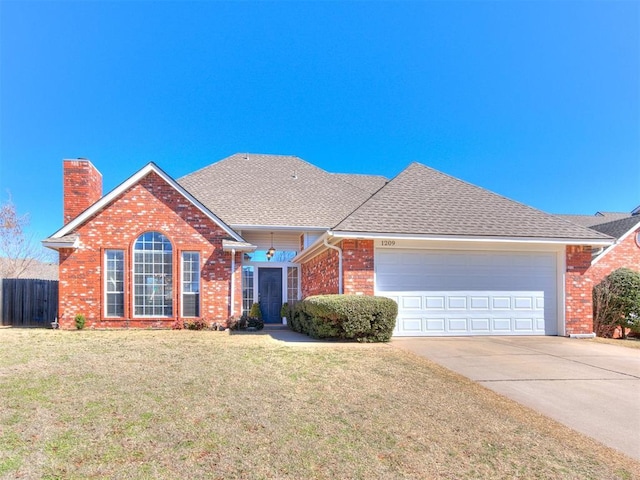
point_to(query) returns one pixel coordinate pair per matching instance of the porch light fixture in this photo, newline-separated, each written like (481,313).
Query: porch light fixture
(272,250)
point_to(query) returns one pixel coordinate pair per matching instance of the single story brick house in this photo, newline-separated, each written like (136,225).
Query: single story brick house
(458,259)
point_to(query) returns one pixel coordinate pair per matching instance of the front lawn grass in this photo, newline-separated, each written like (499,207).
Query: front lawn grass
(185,404)
(629,342)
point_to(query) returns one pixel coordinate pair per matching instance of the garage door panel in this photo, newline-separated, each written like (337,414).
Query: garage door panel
(501,325)
(434,303)
(411,324)
(412,302)
(480,325)
(470,293)
(480,303)
(457,325)
(434,324)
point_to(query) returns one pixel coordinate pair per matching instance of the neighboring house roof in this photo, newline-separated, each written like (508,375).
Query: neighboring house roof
(424,201)
(29,268)
(62,237)
(597,219)
(368,183)
(618,228)
(276,191)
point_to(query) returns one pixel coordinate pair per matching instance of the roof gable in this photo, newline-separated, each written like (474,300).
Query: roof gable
(274,191)
(124,186)
(424,201)
(618,228)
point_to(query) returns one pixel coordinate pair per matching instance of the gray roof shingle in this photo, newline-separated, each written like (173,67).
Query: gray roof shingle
(618,228)
(274,190)
(597,219)
(424,201)
(368,183)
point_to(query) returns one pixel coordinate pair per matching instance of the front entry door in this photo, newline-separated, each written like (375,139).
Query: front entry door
(270,294)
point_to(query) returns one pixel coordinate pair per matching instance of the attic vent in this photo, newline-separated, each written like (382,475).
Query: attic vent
(295,175)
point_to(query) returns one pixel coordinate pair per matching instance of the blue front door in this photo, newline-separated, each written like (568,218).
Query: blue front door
(270,294)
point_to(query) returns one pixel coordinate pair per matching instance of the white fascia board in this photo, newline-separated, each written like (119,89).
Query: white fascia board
(272,228)
(229,246)
(376,236)
(53,245)
(132,180)
(620,240)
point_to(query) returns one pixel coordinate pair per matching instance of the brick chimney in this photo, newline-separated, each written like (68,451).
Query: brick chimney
(82,187)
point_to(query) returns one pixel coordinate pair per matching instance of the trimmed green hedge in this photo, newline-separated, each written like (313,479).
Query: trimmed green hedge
(352,317)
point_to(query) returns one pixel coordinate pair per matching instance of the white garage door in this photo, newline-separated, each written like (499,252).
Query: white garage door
(469,293)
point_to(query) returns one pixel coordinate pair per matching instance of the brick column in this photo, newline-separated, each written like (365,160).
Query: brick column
(578,291)
(357,266)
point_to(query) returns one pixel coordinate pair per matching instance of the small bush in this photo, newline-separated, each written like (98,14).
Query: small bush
(80,321)
(357,317)
(195,325)
(177,325)
(256,323)
(255,312)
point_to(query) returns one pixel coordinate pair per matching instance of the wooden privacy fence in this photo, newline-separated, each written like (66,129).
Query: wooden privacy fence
(28,302)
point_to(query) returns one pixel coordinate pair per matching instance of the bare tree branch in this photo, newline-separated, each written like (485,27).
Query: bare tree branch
(18,251)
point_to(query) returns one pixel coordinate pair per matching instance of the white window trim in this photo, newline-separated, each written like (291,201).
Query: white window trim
(182,292)
(106,280)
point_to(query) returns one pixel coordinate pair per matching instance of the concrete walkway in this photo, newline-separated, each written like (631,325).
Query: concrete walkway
(593,388)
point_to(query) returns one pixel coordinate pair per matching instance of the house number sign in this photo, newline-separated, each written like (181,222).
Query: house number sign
(388,243)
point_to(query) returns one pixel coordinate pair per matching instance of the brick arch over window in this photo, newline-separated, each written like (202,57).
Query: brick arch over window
(152,276)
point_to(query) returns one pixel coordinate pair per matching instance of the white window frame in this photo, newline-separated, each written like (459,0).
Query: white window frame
(194,278)
(165,288)
(119,265)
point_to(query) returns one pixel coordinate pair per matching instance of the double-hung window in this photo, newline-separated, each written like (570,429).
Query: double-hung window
(190,284)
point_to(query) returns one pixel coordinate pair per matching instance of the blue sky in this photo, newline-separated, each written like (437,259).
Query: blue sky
(538,101)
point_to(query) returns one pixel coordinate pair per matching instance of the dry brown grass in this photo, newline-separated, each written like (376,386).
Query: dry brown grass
(184,404)
(627,342)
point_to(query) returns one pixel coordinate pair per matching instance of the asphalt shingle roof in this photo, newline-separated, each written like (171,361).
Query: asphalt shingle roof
(618,228)
(421,200)
(368,183)
(275,190)
(597,219)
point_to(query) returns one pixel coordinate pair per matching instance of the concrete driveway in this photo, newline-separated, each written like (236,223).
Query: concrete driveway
(590,387)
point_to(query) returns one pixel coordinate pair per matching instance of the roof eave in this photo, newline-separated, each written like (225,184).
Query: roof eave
(615,243)
(471,238)
(312,250)
(232,245)
(296,228)
(57,244)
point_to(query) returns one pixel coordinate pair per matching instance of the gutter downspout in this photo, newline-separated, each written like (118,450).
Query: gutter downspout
(339,250)
(233,275)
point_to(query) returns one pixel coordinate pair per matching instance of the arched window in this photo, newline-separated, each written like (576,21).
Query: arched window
(152,276)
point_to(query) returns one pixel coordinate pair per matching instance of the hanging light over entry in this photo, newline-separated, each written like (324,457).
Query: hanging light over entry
(272,250)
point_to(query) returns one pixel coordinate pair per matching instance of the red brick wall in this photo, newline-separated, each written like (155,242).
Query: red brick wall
(319,276)
(357,265)
(150,205)
(625,254)
(578,285)
(82,185)
(581,277)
